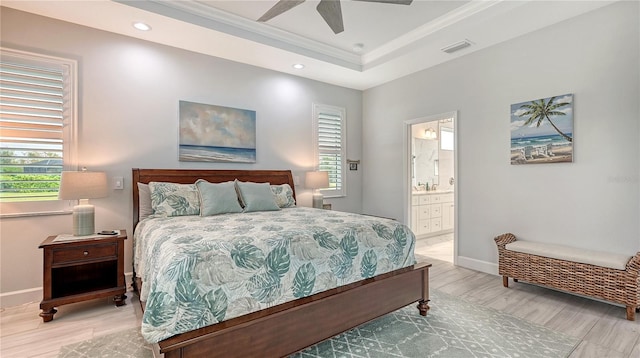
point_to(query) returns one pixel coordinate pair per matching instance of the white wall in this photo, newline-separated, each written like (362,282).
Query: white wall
(591,203)
(129,93)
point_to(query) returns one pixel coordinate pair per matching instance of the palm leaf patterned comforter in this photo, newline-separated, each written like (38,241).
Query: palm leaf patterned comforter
(198,271)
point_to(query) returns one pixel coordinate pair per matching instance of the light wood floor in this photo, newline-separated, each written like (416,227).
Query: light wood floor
(602,328)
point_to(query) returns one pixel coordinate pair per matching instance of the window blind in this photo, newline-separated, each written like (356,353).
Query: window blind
(331,147)
(32,100)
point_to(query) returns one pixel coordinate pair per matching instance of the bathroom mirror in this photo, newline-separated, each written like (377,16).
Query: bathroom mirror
(425,147)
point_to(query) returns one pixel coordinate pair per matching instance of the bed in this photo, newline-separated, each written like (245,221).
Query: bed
(278,328)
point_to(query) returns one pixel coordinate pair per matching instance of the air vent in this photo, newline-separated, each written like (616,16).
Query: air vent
(456,46)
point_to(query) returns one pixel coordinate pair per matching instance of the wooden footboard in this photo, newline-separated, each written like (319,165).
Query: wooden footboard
(290,327)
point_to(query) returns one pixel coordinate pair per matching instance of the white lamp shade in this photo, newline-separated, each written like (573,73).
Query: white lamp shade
(316,180)
(82,185)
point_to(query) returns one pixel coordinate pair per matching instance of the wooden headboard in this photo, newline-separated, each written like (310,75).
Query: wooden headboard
(189,176)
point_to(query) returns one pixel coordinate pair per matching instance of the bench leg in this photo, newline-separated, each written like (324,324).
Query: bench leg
(631,313)
(505,281)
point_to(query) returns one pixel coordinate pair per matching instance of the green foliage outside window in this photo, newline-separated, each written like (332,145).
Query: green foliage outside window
(31,176)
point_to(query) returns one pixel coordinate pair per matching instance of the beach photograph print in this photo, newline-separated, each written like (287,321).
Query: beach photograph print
(542,130)
(210,133)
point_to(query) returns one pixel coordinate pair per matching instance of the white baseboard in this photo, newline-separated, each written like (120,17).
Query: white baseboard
(17,298)
(482,266)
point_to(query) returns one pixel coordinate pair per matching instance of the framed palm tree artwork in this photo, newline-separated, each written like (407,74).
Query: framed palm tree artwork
(542,130)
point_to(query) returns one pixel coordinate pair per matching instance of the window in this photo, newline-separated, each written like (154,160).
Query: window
(37,131)
(446,138)
(329,139)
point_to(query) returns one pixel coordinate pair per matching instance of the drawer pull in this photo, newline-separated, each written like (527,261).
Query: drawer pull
(86,253)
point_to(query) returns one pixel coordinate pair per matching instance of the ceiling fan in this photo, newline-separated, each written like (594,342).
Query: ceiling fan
(330,10)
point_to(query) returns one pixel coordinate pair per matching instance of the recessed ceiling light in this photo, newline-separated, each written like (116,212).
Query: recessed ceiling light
(357,48)
(298,66)
(141,26)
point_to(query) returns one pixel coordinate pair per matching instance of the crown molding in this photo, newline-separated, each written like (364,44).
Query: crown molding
(210,17)
(207,16)
(461,13)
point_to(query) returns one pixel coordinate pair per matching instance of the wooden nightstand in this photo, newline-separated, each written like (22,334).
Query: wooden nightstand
(80,270)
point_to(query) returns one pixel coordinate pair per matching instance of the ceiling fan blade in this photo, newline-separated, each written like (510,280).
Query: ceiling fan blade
(280,7)
(331,12)
(399,2)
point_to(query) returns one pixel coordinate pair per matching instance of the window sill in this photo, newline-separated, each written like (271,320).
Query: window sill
(37,213)
(325,196)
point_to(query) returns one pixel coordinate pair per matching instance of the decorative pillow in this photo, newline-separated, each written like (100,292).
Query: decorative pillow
(256,196)
(217,198)
(144,201)
(172,199)
(283,194)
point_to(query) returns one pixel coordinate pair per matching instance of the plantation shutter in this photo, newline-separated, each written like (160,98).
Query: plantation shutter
(331,147)
(32,101)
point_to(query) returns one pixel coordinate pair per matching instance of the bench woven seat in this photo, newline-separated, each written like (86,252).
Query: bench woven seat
(603,276)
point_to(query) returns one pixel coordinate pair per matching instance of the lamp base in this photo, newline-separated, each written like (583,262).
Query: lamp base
(317,200)
(83,220)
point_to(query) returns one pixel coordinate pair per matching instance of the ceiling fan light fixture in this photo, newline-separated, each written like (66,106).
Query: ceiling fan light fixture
(456,46)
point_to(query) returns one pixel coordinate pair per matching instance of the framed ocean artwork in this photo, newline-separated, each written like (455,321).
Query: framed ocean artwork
(210,133)
(542,130)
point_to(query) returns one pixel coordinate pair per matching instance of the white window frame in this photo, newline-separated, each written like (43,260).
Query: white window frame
(339,111)
(70,120)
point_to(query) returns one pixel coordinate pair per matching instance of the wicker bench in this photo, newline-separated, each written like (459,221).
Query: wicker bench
(610,277)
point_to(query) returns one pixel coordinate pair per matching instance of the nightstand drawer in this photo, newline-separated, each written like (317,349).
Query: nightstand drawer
(85,253)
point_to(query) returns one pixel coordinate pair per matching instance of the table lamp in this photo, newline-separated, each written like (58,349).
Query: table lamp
(83,186)
(317,180)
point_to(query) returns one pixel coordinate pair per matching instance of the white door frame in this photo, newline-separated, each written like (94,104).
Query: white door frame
(406,166)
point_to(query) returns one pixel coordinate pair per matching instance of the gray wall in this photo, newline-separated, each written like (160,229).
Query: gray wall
(592,203)
(129,93)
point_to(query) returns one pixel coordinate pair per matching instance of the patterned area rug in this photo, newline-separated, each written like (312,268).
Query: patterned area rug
(125,344)
(453,328)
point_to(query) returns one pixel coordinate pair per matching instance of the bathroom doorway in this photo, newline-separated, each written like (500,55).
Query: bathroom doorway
(430,185)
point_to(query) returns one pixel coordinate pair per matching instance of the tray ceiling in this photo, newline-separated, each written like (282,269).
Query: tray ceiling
(380,42)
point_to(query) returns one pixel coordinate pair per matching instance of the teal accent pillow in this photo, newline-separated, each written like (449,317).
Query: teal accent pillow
(172,199)
(256,196)
(283,194)
(218,198)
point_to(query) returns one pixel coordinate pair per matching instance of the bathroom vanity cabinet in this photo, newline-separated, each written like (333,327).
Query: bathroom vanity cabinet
(431,212)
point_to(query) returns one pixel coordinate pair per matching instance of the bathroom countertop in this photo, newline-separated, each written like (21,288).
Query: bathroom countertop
(430,192)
